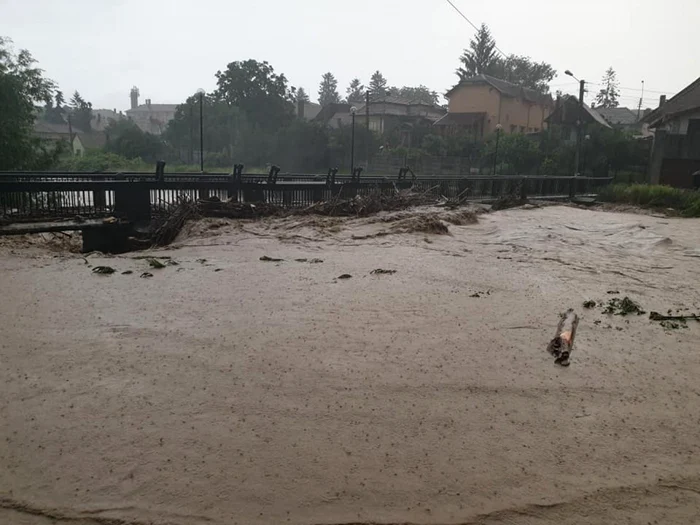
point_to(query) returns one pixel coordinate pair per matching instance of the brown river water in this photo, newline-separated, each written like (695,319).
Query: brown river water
(226,389)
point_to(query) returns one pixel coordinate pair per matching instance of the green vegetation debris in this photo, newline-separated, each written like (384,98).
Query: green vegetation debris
(625,306)
(103,270)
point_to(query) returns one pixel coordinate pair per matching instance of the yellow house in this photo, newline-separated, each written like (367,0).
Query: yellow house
(480,103)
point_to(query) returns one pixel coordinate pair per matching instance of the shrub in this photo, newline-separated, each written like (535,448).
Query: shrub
(687,202)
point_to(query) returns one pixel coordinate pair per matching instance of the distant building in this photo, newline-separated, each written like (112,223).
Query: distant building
(307,110)
(567,112)
(478,104)
(624,119)
(83,142)
(676,152)
(54,132)
(386,114)
(102,117)
(149,117)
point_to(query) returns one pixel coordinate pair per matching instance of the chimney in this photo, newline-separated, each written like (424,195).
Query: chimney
(148,103)
(662,101)
(300,109)
(134,97)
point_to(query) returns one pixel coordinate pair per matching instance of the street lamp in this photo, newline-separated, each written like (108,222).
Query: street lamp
(579,122)
(353,110)
(495,155)
(200,92)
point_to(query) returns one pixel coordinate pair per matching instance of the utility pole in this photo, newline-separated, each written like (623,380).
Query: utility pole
(191,159)
(367,135)
(201,130)
(70,133)
(579,137)
(579,121)
(641,99)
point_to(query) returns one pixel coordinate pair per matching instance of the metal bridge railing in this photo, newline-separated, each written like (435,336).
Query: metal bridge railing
(39,195)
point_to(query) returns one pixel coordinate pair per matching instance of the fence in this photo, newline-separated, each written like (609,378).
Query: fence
(31,196)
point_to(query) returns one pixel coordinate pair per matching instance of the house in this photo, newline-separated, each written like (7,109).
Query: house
(624,119)
(151,118)
(83,142)
(566,114)
(385,114)
(54,132)
(481,103)
(676,152)
(101,118)
(307,110)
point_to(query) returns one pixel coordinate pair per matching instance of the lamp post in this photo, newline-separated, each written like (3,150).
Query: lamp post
(587,138)
(498,139)
(353,110)
(579,121)
(200,92)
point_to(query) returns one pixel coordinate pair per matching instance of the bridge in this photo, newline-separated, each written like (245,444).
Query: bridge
(42,196)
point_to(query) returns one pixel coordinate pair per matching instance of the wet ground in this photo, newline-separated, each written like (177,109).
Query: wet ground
(226,389)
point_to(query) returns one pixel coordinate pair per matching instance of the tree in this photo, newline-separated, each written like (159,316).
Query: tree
(522,71)
(377,84)
(22,85)
(126,139)
(417,94)
(608,96)
(355,92)
(328,90)
(81,112)
(60,101)
(257,91)
(481,56)
(482,59)
(301,95)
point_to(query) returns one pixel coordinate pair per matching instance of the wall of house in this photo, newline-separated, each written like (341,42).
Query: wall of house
(477,99)
(520,116)
(679,126)
(514,114)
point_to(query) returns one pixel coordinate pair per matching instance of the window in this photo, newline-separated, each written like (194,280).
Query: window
(522,129)
(513,127)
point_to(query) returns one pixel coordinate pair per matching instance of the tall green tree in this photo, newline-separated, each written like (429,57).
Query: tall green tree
(480,57)
(377,84)
(60,100)
(417,94)
(126,139)
(328,90)
(355,92)
(301,95)
(257,91)
(523,71)
(22,85)
(608,95)
(81,112)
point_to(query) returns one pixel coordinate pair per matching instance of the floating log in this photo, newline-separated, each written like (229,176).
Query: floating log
(562,344)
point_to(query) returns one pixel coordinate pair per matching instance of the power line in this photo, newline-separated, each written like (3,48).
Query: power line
(472,24)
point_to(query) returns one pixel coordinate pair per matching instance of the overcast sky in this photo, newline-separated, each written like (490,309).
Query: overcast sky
(169,48)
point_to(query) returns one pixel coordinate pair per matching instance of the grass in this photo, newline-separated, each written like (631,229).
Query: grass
(685,202)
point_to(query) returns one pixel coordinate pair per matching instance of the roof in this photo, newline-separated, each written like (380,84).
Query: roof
(618,116)
(560,113)
(506,88)
(687,100)
(311,109)
(92,140)
(153,107)
(41,126)
(460,119)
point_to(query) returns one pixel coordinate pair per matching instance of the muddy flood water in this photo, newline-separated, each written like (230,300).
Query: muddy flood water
(226,389)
